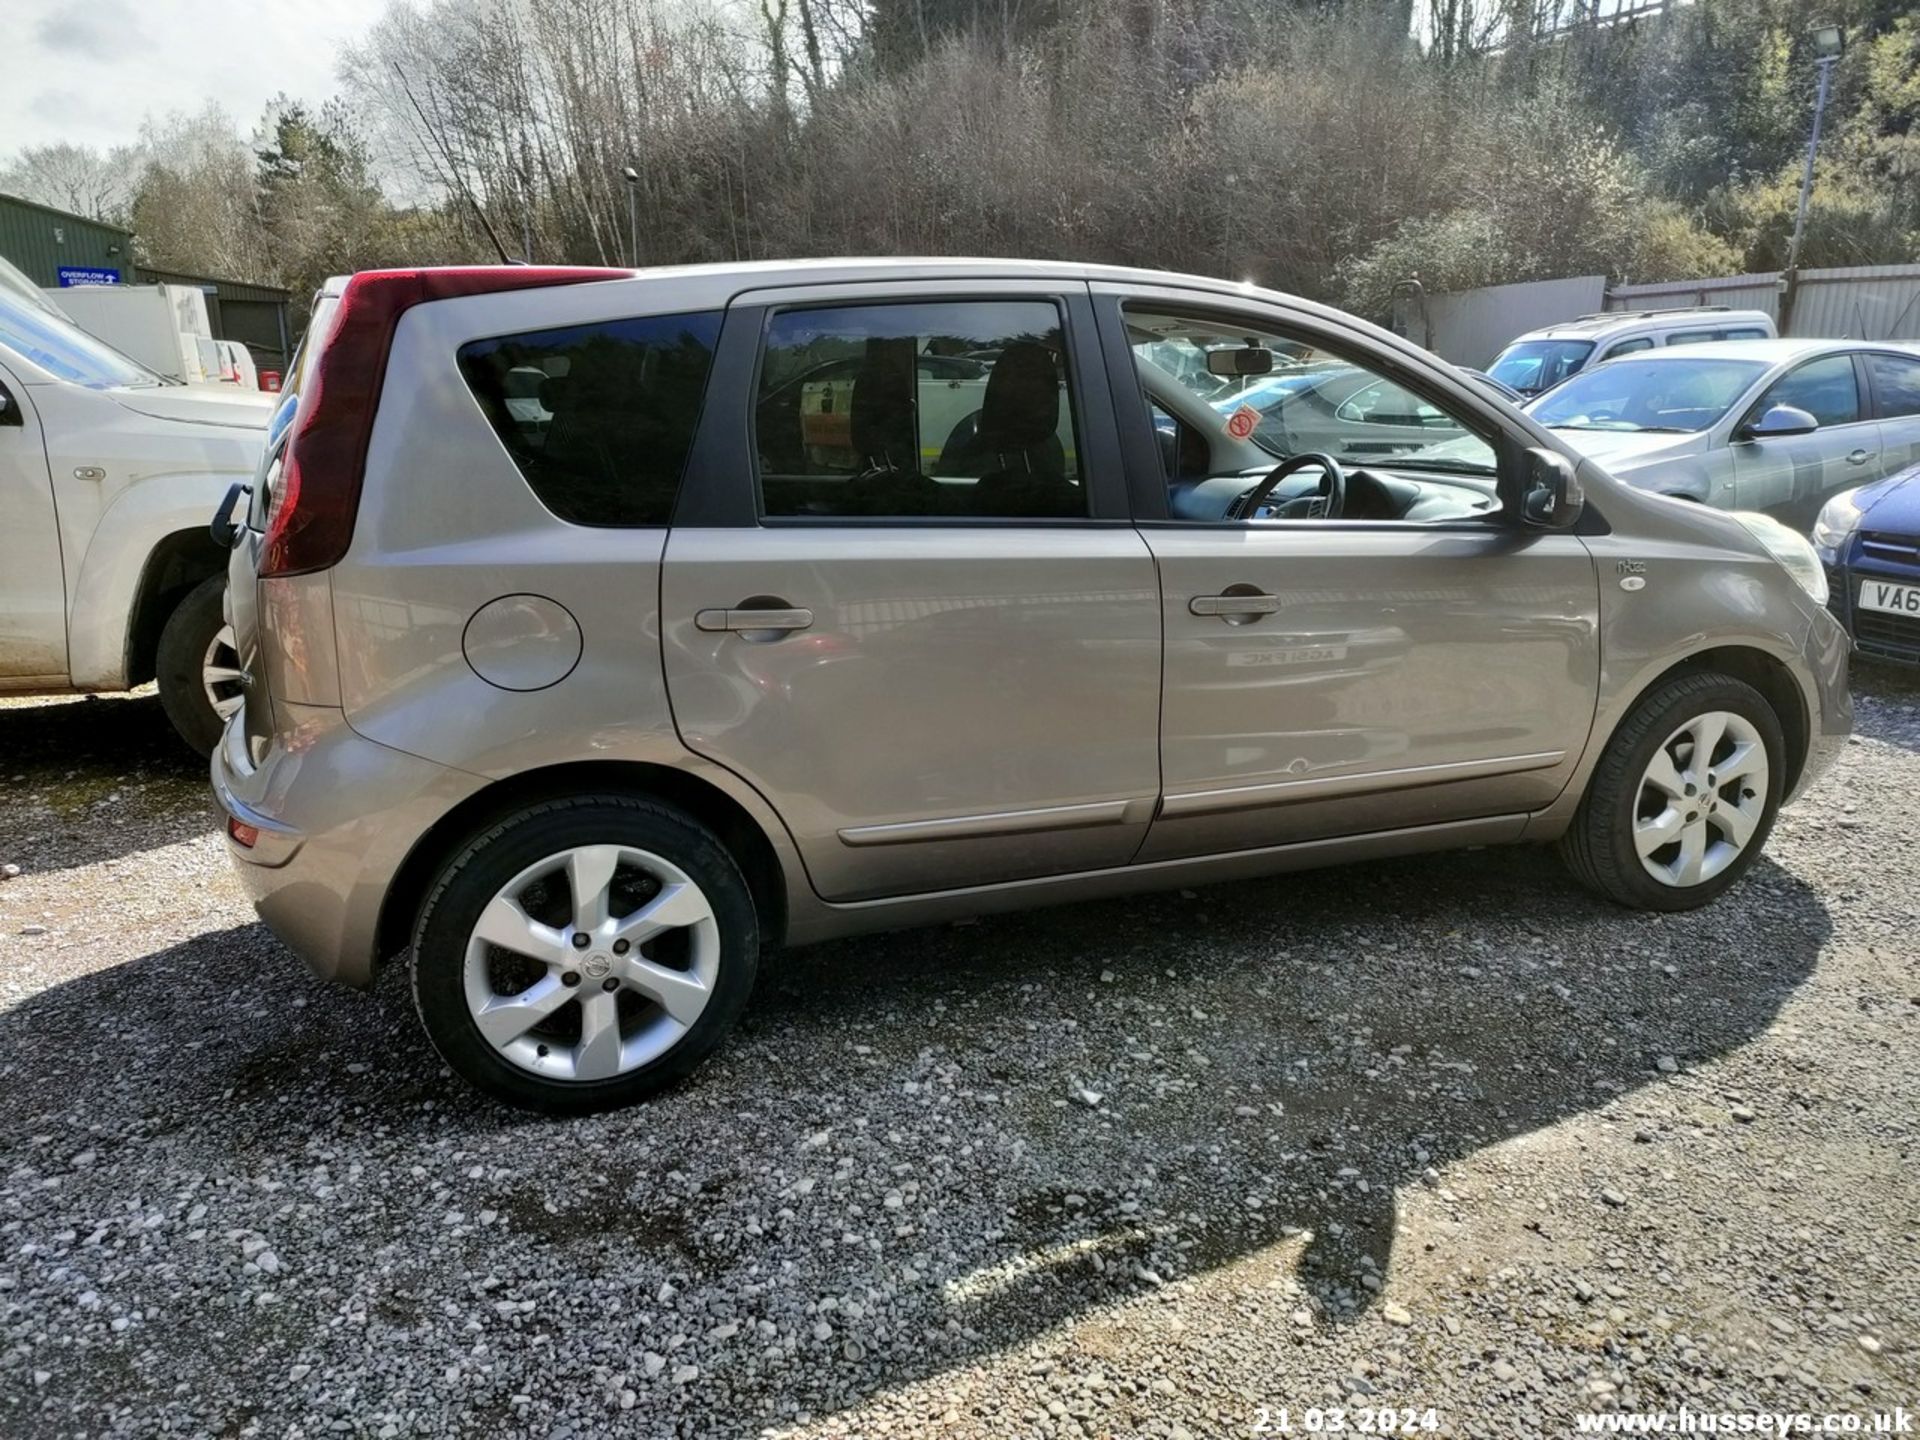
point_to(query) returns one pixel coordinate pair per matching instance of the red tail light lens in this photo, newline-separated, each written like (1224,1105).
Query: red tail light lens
(310,518)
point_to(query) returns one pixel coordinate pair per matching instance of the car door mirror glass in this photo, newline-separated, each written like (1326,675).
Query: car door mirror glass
(1780,420)
(1553,497)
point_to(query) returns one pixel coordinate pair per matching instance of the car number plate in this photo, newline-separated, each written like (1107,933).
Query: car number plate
(1893,599)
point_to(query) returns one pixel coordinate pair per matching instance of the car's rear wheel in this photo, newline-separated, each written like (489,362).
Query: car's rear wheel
(1683,798)
(584,953)
(197,668)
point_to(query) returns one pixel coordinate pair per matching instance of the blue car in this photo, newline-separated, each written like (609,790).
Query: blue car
(1869,540)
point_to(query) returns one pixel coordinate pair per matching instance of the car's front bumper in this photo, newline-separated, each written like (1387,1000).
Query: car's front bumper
(1876,556)
(335,815)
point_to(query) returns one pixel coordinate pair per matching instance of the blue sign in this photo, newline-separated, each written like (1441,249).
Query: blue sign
(86,275)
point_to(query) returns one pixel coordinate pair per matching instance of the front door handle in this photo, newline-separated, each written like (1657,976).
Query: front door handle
(1231,604)
(1858,457)
(754,618)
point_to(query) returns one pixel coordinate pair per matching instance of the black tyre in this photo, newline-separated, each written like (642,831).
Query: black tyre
(196,668)
(584,953)
(1684,797)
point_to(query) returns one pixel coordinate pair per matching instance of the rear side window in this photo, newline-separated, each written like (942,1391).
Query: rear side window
(1896,380)
(1694,337)
(598,417)
(955,408)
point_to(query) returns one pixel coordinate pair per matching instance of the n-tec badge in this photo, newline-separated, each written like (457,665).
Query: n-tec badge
(1630,567)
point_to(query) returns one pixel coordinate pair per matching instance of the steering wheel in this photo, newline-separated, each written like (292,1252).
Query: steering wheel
(1327,502)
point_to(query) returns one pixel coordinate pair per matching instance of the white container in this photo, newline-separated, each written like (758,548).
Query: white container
(161,326)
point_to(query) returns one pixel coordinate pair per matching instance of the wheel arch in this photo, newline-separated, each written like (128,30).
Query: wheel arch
(177,563)
(1766,673)
(730,821)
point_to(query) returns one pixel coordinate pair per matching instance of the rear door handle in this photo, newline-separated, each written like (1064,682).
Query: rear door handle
(753,619)
(1234,604)
(1858,457)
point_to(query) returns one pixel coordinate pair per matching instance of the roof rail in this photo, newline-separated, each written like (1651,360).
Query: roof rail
(1649,314)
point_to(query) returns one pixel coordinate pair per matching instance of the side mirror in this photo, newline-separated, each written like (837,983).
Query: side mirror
(8,415)
(1779,420)
(1249,359)
(1552,497)
(223,530)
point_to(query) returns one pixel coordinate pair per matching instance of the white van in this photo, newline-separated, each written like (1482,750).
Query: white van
(109,576)
(1541,359)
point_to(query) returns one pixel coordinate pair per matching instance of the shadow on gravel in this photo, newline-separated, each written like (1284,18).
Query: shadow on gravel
(94,779)
(1311,1043)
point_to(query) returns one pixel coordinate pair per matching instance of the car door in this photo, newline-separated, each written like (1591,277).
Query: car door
(33,594)
(1334,676)
(936,655)
(1894,379)
(1791,476)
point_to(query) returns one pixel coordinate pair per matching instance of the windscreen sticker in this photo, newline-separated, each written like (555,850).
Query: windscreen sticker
(1242,422)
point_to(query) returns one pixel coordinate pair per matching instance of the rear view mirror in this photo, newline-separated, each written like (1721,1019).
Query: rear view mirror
(1249,359)
(1552,497)
(1780,420)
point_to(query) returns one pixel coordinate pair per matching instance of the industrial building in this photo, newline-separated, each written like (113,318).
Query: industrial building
(56,249)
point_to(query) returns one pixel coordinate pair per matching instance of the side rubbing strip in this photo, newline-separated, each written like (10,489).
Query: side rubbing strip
(1009,822)
(1286,792)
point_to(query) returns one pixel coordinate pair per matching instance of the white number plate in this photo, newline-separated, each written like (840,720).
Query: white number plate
(1894,599)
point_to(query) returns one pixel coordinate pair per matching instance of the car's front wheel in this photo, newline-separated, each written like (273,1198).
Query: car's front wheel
(584,953)
(196,667)
(1683,798)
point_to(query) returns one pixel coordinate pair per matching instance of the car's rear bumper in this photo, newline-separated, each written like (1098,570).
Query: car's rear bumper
(335,815)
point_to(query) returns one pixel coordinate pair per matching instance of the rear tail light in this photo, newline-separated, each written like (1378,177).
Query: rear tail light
(311,511)
(244,835)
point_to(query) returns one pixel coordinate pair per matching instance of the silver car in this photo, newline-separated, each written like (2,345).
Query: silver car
(1771,425)
(589,704)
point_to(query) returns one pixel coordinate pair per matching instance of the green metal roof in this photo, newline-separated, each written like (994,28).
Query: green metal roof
(226,289)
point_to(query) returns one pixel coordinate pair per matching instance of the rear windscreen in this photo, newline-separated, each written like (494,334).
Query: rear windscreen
(599,417)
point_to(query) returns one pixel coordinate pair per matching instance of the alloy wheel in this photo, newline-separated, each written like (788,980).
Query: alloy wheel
(592,962)
(220,674)
(1701,799)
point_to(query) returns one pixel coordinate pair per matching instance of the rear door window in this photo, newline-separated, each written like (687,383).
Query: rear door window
(1896,382)
(600,417)
(960,408)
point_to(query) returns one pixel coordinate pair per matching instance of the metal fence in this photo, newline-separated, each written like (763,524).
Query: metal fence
(1855,302)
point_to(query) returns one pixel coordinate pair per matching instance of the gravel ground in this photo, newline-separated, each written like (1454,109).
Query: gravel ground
(1437,1133)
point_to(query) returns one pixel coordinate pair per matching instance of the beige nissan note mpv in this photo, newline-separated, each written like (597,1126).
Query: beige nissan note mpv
(604,629)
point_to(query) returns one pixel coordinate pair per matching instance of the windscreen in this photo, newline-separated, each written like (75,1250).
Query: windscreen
(1531,366)
(1676,395)
(62,348)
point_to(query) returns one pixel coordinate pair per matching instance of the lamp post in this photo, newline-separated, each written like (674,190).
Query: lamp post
(632,177)
(1828,42)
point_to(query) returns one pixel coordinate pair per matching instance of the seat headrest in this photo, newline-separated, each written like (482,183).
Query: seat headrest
(1021,408)
(880,418)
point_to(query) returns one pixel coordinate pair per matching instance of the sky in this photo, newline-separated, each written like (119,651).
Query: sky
(90,71)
